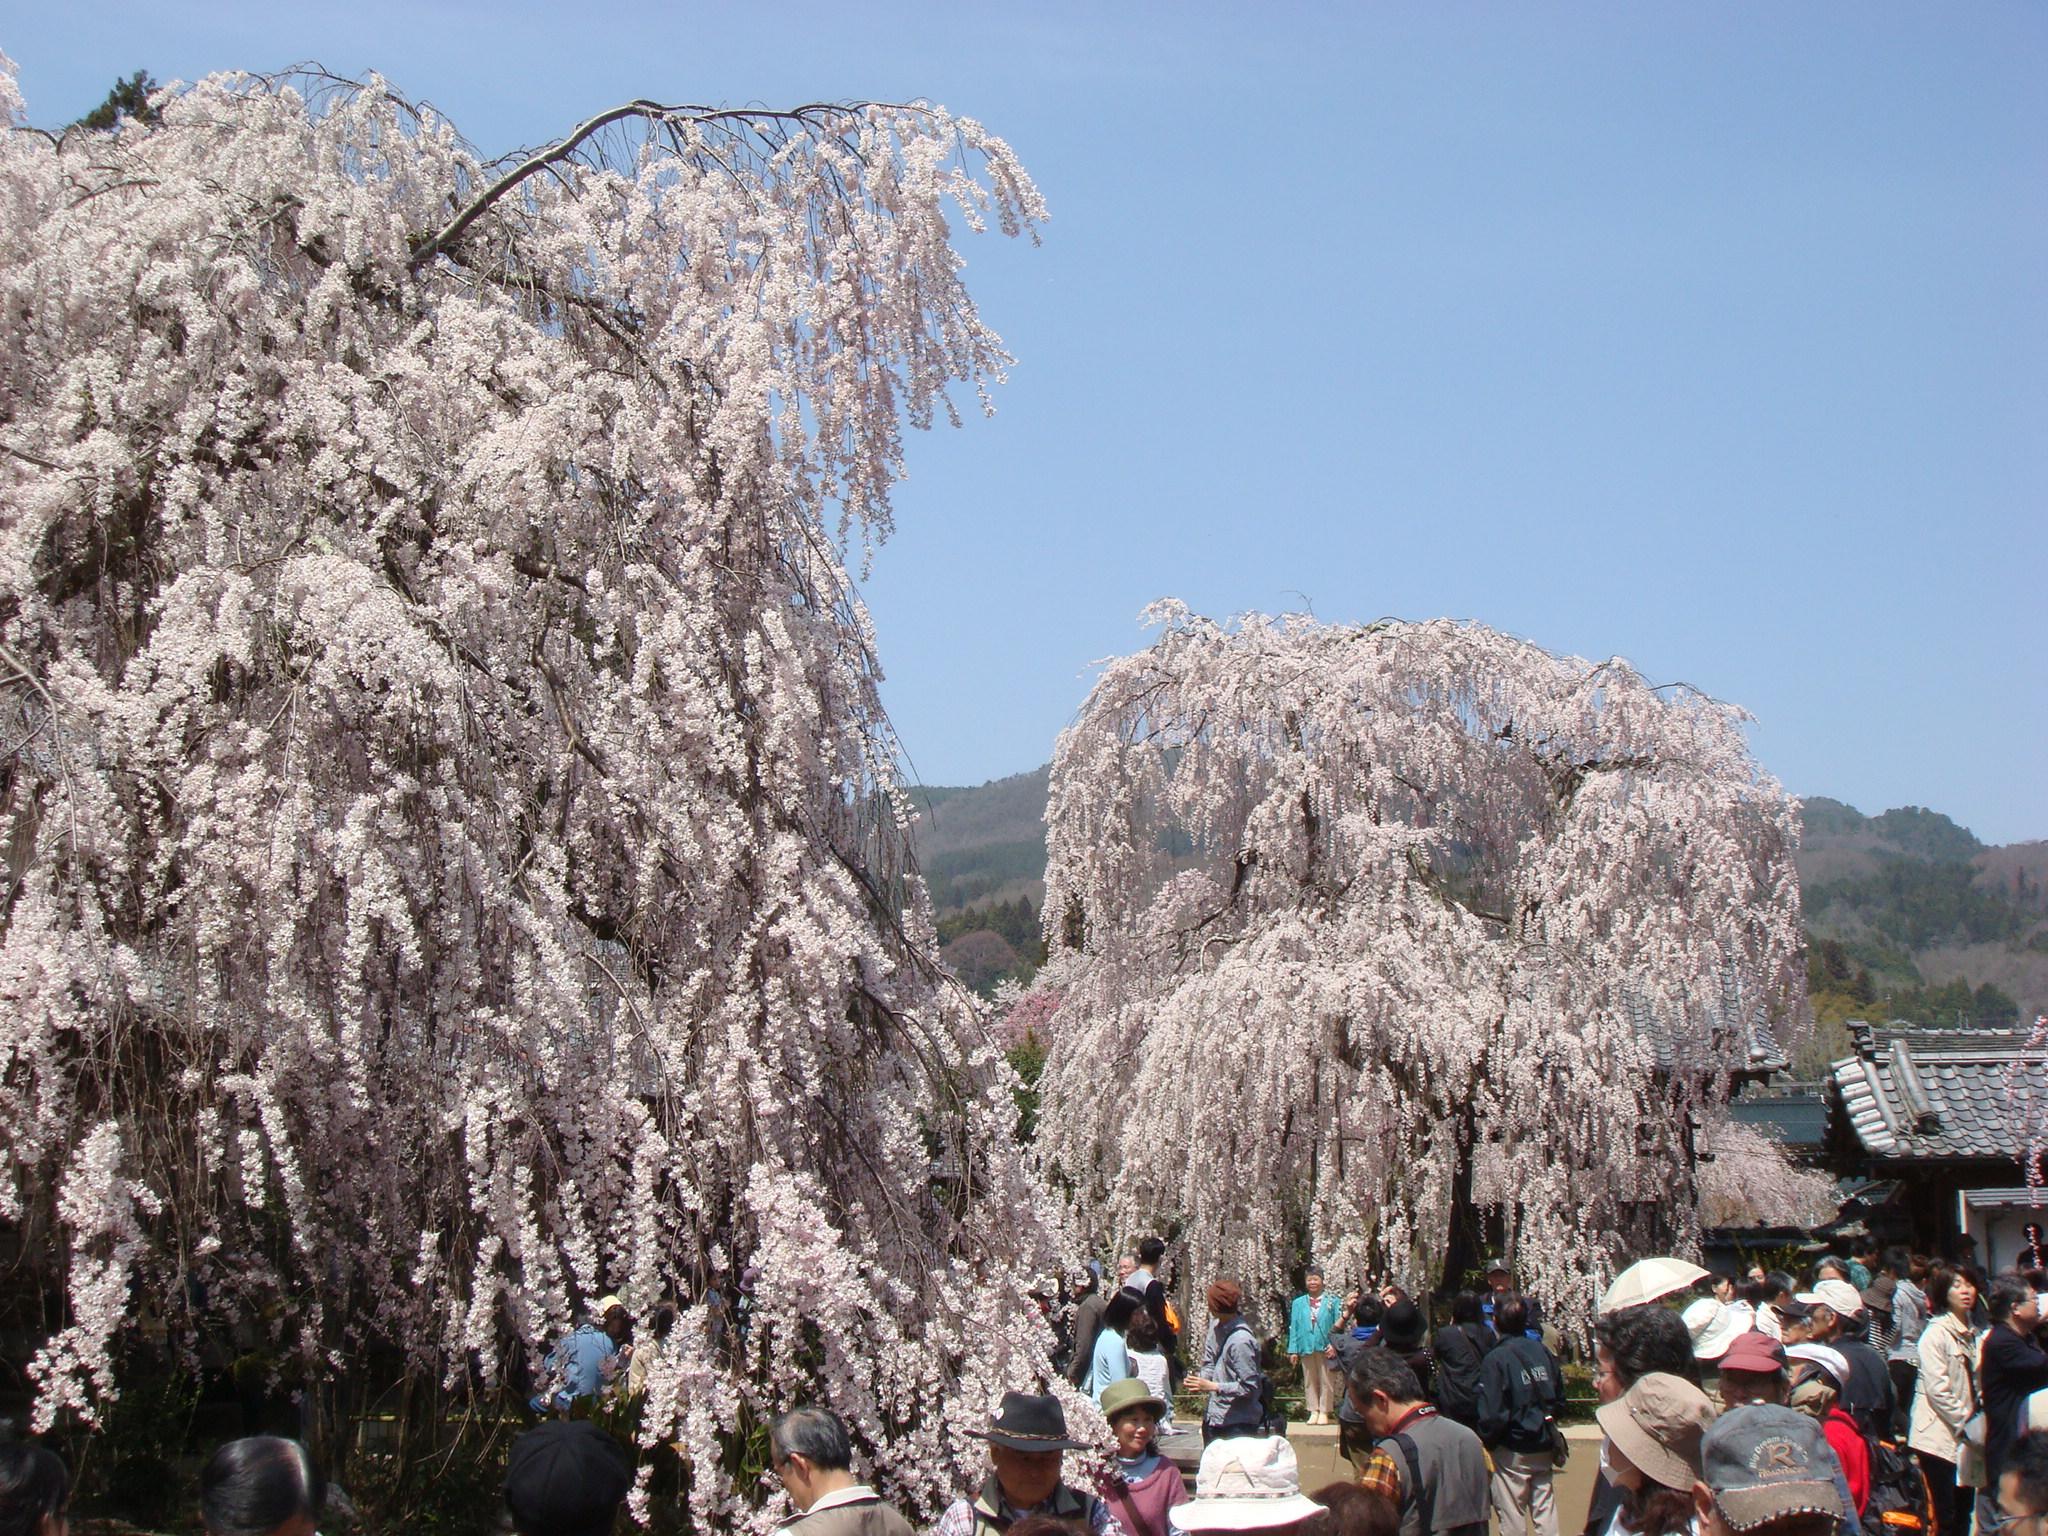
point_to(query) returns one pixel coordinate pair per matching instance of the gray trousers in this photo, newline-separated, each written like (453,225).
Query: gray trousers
(1524,1501)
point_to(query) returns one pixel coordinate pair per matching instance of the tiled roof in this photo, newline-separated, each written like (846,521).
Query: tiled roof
(1680,1048)
(1940,1094)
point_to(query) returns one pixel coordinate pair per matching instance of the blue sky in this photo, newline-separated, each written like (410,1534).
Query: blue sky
(1715,337)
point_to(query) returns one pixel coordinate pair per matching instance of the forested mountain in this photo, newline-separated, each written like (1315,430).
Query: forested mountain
(1909,915)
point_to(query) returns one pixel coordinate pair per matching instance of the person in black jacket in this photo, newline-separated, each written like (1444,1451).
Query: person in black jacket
(1354,1440)
(1089,1303)
(1145,1283)
(1839,1322)
(2013,1367)
(1460,1349)
(1521,1391)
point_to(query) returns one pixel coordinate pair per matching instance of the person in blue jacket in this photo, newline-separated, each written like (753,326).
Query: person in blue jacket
(1309,1324)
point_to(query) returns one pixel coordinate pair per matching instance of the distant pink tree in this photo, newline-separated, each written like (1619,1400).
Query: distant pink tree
(1747,1179)
(1024,1014)
(1359,931)
(455,860)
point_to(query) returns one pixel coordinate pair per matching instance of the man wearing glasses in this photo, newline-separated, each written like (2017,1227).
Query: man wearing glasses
(814,1458)
(2023,1487)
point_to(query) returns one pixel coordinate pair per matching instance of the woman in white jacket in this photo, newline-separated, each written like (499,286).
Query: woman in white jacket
(1945,1398)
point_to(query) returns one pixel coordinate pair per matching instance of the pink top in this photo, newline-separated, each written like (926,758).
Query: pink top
(1141,1506)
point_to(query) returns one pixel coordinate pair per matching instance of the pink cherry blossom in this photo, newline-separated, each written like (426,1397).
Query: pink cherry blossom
(457,863)
(1360,930)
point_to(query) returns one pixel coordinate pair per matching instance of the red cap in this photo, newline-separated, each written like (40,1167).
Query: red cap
(1754,1351)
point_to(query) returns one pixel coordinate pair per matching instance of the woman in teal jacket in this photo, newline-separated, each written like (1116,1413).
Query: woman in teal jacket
(1309,1323)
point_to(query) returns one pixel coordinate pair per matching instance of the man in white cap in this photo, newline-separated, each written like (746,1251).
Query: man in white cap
(1817,1372)
(1247,1483)
(1867,1395)
(581,1364)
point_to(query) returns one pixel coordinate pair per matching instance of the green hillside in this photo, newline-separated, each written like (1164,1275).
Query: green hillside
(1908,914)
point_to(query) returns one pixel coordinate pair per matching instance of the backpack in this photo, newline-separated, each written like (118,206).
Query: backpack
(1900,1503)
(1415,1490)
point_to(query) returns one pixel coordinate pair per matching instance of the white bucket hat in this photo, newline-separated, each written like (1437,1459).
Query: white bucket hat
(1245,1485)
(1713,1327)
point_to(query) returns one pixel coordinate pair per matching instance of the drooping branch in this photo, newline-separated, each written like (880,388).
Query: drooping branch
(1442,970)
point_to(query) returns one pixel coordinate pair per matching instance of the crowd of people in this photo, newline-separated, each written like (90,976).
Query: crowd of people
(1876,1395)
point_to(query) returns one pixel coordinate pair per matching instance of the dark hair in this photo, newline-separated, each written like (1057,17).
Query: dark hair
(661,1322)
(1511,1315)
(1898,1263)
(1356,1511)
(1941,1281)
(1117,1315)
(1047,1525)
(1465,1307)
(1367,1311)
(1143,1333)
(1645,1339)
(2007,1291)
(816,1434)
(251,1487)
(1829,1261)
(1150,1251)
(1381,1370)
(1655,1510)
(33,1486)
(2027,1461)
(1781,1284)
(1757,1293)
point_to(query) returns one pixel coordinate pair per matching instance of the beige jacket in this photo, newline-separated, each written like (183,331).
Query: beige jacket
(1946,1394)
(852,1512)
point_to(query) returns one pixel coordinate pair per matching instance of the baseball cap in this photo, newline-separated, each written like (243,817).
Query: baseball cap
(1828,1358)
(566,1478)
(1764,1462)
(1838,1296)
(1754,1351)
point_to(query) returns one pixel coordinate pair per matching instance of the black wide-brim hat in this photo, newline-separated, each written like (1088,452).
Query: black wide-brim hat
(1029,1422)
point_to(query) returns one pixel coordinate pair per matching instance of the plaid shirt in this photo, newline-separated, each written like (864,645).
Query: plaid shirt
(959,1520)
(1382,1474)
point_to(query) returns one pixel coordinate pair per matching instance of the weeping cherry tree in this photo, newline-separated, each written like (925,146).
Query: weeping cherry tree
(454,862)
(1362,933)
